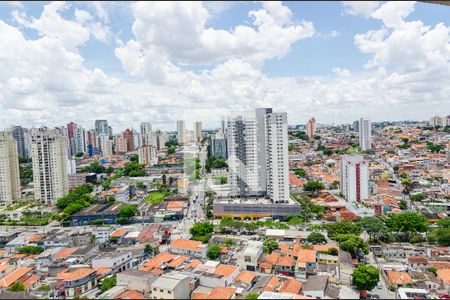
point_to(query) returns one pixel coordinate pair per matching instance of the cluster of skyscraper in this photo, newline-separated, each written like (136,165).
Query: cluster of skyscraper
(258,162)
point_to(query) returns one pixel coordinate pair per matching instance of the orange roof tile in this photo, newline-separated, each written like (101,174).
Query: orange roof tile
(158,260)
(130,295)
(291,286)
(325,247)
(306,255)
(399,278)
(193,264)
(30,281)
(175,204)
(272,257)
(157,271)
(272,284)
(12,277)
(64,253)
(4,267)
(245,276)
(187,245)
(444,275)
(18,256)
(119,233)
(177,261)
(222,292)
(225,270)
(4,260)
(101,272)
(286,261)
(200,296)
(74,274)
(34,238)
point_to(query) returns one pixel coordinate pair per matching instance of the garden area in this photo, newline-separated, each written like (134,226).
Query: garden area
(157,197)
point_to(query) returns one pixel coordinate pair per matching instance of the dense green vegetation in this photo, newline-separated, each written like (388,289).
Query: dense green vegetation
(30,250)
(26,175)
(77,199)
(269,245)
(108,283)
(316,238)
(365,277)
(157,197)
(126,213)
(313,187)
(300,172)
(202,231)
(18,286)
(300,135)
(214,162)
(434,148)
(213,252)
(96,167)
(308,208)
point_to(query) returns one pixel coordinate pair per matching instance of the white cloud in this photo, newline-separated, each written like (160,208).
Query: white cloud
(341,72)
(392,13)
(186,39)
(360,8)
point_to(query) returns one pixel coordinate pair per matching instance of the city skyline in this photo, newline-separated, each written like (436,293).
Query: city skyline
(336,62)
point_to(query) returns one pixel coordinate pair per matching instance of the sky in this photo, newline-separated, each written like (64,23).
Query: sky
(133,62)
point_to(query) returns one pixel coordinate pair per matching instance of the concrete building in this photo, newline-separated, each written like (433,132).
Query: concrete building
(311,128)
(160,139)
(135,280)
(365,134)
(49,155)
(106,145)
(354,178)
(147,155)
(128,136)
(20,134)
(171,286)
(181,132)
(197,132)
(355,125)
(257,149)
(219,147)
(80,140)
(436,121)
(116,261)
(248,258)
(76,281)
(9,170)
(101,127)
(121,145)
(146,133)
(277,157)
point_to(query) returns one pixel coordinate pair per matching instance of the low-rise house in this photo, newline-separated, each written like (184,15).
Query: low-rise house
(116,261)
(158,264)
(219,292)
(101,234)
(171,286)
(76,281)
(399,279)
(244,281)
(249,257)
(426,280)
(85,253)
(417,262)
(18,275)
(136,280)
(306,263)
(213,274)
(47,256)
(317,286)
(345,267)
(188,247)
(130,295)
(444,277)
(155,234)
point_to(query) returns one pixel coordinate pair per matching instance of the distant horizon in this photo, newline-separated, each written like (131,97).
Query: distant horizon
(75,61)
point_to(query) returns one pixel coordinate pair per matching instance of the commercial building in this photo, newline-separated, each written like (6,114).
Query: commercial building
(197,132)
(75,281)
(181,132)
(128,136)
(257,149)
(101,127)
(311,128)
(80,140)
(121,145)
(116,261)
(160,140)
(365,134)
(106,145)
(102,212)
(354,178)
(9,170)
(49,155)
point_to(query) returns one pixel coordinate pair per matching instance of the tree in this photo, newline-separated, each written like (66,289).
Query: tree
(407,184)
(171,150)
(365,277)
(328,152)
(300,172)
(108,283)
(316,238)
(269,245)
(140,185)
(433,270)
(444,223)
(440,236)
(79,154)
(202,231)
(374,226)
(290,147)
(313,186)
(342,227)
(126,213)
(351,243)
(403,204)
(407,223)
(148,250)
(213,252)
(31,250)
(252,295)
(417,197)
(134,158)
(17,287)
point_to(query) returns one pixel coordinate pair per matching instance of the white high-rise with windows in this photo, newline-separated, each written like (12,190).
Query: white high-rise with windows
(147,155)
(436,121)
(49,155)
(257,145)
(197,132)
(354,178)
(146,133)
(9,169)
(365,134)
(181,132)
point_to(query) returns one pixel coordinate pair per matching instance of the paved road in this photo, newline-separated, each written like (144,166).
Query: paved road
(384,292)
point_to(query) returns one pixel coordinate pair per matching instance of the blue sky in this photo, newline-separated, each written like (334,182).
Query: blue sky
(327,66)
